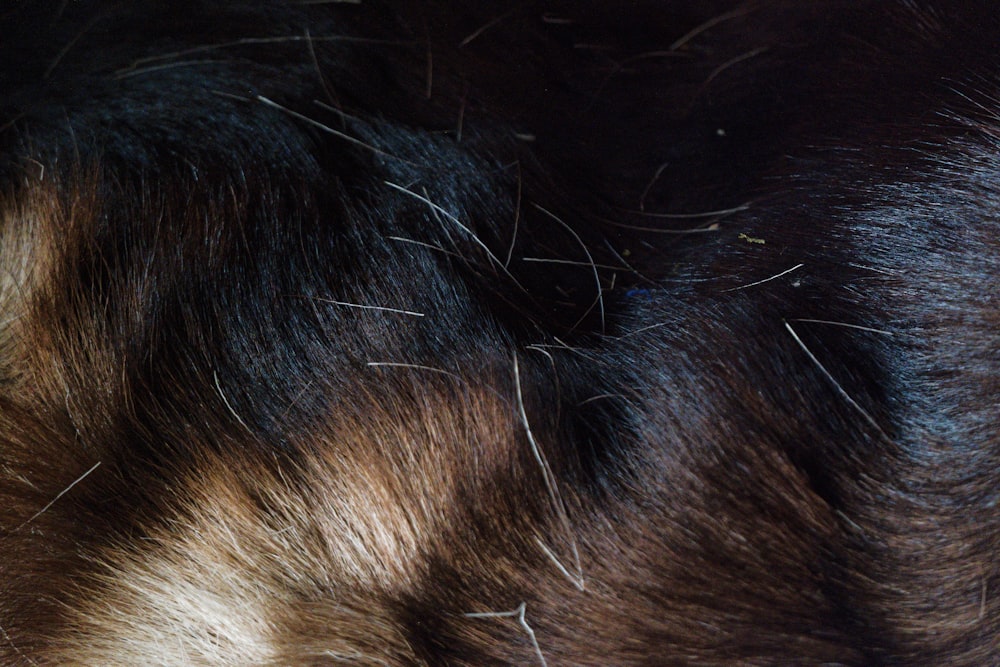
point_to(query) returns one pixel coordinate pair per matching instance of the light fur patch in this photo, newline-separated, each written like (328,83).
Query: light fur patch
(27,250)
(261,563)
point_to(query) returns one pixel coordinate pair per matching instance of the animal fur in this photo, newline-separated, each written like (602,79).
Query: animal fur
(463,333)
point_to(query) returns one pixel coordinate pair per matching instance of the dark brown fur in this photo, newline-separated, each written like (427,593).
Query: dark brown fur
(451,333)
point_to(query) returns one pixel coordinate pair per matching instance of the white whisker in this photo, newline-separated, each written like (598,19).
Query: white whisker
(690,216)
(843,324)
(419,367)
(326,128)
(726,65)
(649,186)
(423,244)
(168,66)
(458,223)
(10,642)
(707,25)
(314,59)
(650,327)
(69,46)
(479,31)
(519,614)
(251,41)
(590,258)
(552,488)
(599,397)
(517,219)
(225,400)
(361,306)
(572,262)
(765,280)
(836,385)
(58,496)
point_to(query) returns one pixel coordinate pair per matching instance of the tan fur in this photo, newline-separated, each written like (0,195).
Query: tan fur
(254,555)
(28,222)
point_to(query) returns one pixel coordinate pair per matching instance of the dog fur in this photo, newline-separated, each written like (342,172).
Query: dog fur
(471,333)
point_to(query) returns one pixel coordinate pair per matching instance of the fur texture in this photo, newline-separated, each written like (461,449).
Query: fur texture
(462,333)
